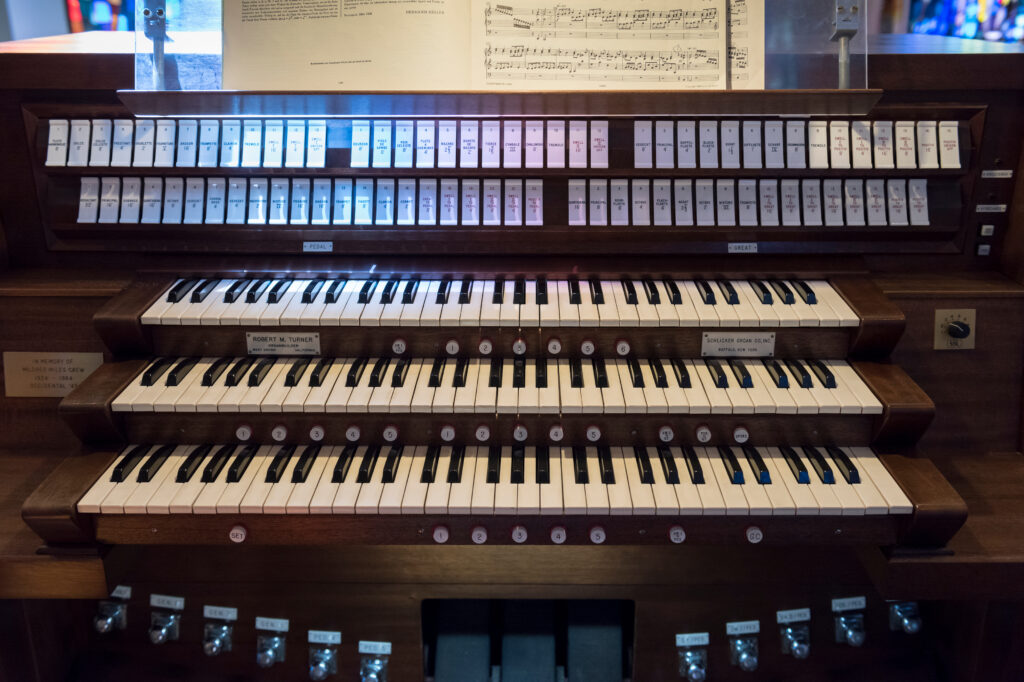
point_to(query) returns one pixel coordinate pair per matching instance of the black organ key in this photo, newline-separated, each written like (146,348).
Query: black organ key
(344,463)
(409,293)
(783,291)
(334,290)
(181,371)
(203,290)
(542,372)
(660,379)
(494,464)
(494,381)
(430,464)
(845,465)
(717,375)
(653,297)
(764,295)
(366,291)
(236,289)
(574,291)
(824,374)
(800,373)
(260,371)
(820,465)
(390,290)
(444,290)
(635,376)
(596,292)
(575,373)
(728,292)
(217,463)
(215,370)
(156,370)
(682,375)
(301,471)
(543,457)
(741,373)
(400,373)
(542,291)
(604,461)
(600,372)
(643,465)
(796,465)
(180,290)
(519,373)
(499,291)
(296,371)
(238,372)
(519,291)
(693,465)
(705,291)
(191,464)
(368,464)
(757,465)
(391,462)
(152,465)
(776,372)
(668,465)
(455,463)
(732,466)
(380,368)
(461,373)
(355,373)
(579,465)
(278,291)
(630,289)
(675,296)
(466,290)
(319,373)
(518,464)
(309,294)
(436,370)
(241,463)
(280,462)
(128,463)
(256,291)
(804,291)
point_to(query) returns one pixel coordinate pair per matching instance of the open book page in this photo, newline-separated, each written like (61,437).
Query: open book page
(746,45)
(346,45)
(593,44)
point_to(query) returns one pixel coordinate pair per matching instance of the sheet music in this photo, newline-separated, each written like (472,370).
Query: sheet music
(625,44)
(745,66)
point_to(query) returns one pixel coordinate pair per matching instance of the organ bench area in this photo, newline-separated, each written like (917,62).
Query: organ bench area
(516,386)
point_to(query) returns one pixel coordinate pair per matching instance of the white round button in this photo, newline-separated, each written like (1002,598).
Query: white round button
(316,434)
(390,433)
(587,347)
(593,434)
(677,535)
(519,534)
(398,346)
(483,433)
(558,535)
(556,433)
(237,534)
(478,535)
(703,434)
(279,433)
(666,434)
(519,347)
(441,534)
(486,346)
(622,347)
(597,535)
(741,435)
(353,433)
(447,433)
(520,433)
(754,535)
(451,347)
(243,432)
(554,346)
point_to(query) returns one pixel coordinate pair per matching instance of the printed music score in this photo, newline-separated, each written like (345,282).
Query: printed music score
(664,44)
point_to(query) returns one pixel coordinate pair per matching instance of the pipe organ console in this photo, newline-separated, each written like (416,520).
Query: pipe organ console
(652,386)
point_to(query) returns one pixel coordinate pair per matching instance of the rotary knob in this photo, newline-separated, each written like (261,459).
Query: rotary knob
(958,330)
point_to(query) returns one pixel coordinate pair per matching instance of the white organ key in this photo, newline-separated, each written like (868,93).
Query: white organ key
(551,492)
(850,503)
(574,496)
(394,492)
(654,398)
(401,397)
(608,312)
(508,311)
(780,398)
(529,395)
(315,401)
(213,396)
(322,501)
(744,312)
(269,315)
(276,501)
(872,501)
(426,309)
(547,396)
(374,308)
(620,503)
(508,395)
(732,493)
(550,314)
(765,313)
(595,489)
(848,376)
(824,494)
(131,496)
(219,496)
(688,494)
(444,394)
(359,398)
(414,496)
(423,395)
(803,398)
(614,403)
(460,495)
(571,397)
(830,297)
(301,313)
(587,309)
(486,395)
(867,462)
(848,401)
(758,395)
(706,313)
(787,496)
(347,492)
(254,397)
(471,313)
(370,492)
(628,314)
(293,397)
(465,396)
(738,396)
(381,396)
(124,400)
(205,495)
(647,313)
(436,500)
(154,314)
(208,313)
(178,498)
(678,397)
(789,314)
(633,396)
(230,314)
(505,491)
(711,498)
(673,314)
(529,491)
(827,398)
(641,494)
(753,490)
(590,394)
(391,313)
(666,502)
(352,308)
(331,314)
(158,499)
(302,493)
(337,399)
(189,389)
(529,312)
(718,397)
(568,313)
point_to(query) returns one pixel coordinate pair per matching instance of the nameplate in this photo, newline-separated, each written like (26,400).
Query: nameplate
(166,601)
(122,592)
(997,174)
(991,208)
(692,639)
(261,343)
(272,624)
(46,375)
(849,604)
(317,247)
(792,616)
(744,627)
(327,637)
(742,247)
(738,344)
(375,648)
(220,612)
